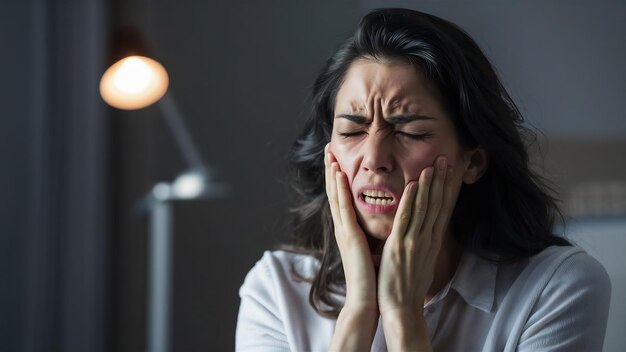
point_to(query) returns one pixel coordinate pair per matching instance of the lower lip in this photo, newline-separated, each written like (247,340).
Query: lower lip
(376,208)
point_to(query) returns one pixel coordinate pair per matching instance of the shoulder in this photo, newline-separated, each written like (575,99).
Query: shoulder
(570,306)
(572,277)
(562,273)
(274,313)
(568,266)
(279,270)
(558,301)
(284,264)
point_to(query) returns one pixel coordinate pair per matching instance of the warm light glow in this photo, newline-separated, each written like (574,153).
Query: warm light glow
(133,83)
(132,77)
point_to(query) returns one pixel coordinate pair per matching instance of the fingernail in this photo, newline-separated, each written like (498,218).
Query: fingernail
(428,171)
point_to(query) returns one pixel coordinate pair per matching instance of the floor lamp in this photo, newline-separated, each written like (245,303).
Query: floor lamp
(135,82)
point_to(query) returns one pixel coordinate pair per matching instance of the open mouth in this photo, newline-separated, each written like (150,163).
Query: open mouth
(377,197)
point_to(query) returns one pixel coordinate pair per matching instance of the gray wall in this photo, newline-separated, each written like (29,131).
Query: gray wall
(52,205)
(13,184)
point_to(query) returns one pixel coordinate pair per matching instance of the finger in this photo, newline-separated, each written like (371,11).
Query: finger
(344,198)
(420,205)
(435,198)
(334,203)
(403,214)
(328,176)
(330,169)
(447,207)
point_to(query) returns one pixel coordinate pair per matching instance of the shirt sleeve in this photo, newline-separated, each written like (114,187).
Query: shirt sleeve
(259,324)
(572,311)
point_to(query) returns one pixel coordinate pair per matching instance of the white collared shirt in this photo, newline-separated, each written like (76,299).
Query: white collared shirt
(557,300)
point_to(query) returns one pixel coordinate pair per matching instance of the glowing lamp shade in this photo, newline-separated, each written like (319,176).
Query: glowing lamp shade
(133,83)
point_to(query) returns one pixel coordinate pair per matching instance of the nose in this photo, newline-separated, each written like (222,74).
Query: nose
(377,153)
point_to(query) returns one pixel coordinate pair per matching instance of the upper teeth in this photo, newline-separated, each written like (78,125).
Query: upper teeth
(378,194)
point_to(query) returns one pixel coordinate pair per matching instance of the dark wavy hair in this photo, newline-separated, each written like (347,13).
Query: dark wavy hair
(508,213)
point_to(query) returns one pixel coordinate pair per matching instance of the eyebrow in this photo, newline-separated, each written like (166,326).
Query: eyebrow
(394,120)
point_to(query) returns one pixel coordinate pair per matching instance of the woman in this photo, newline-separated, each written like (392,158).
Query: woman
(422,226)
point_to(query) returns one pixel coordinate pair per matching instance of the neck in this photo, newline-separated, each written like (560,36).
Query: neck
(445,266)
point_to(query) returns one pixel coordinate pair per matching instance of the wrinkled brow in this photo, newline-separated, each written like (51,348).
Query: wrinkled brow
(394,120)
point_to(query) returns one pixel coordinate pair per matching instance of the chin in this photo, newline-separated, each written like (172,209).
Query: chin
(376,226)
(376,233)
(378,229)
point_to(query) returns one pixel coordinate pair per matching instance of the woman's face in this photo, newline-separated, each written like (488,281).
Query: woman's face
(387,128)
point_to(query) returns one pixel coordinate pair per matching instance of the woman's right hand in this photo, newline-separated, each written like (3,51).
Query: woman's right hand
(356,324)
(355,252)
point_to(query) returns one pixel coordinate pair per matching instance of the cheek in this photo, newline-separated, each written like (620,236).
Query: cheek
(413,169)
(346,157)
(415,162)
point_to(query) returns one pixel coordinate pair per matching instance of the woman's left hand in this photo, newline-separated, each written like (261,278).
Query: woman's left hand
(410,253)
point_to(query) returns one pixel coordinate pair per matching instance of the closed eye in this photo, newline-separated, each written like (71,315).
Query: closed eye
(415,136)
(352,134)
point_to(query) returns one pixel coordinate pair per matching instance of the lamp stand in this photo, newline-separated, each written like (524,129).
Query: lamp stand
(160,274)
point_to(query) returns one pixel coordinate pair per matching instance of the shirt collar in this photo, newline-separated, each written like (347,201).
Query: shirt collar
(475,281)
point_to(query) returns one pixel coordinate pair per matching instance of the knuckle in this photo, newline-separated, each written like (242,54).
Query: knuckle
(411,246)
(396,253)
(404,219)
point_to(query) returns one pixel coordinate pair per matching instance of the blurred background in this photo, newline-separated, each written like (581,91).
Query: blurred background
(74,243)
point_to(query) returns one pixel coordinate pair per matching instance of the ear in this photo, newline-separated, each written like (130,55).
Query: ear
(476,162)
